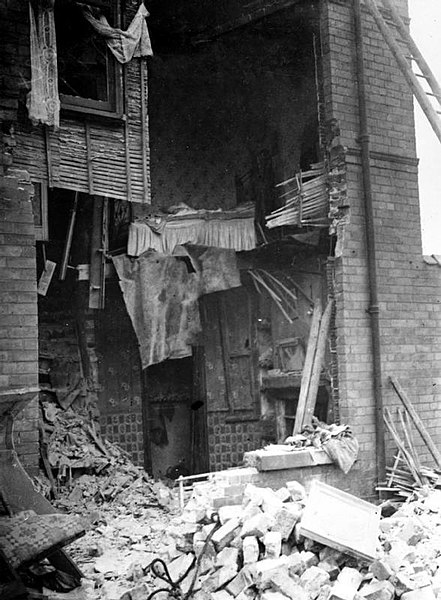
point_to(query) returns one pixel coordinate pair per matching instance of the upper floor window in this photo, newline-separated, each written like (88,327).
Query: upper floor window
(88,74)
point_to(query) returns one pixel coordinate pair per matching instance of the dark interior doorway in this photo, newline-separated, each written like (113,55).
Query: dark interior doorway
(168,418)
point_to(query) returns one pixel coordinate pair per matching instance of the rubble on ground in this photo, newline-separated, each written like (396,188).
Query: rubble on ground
(232,540)
(255,550)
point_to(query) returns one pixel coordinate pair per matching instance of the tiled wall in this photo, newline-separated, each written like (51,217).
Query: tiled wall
(228,441)
(126,431)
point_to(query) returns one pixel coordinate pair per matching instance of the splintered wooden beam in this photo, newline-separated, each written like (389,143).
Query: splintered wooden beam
(416,421)
(69,238)
(318,363)
(307,367)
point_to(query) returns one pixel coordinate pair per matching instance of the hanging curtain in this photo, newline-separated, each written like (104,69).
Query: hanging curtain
(134,42)
(43,102)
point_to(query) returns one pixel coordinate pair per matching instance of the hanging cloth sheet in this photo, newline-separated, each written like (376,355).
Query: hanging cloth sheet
(161,299)
(217,268)
(42,101)
(134,42)
(232,230)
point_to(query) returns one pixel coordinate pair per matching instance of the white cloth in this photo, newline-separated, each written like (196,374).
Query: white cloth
(135,42)
(43,102)
(233,234)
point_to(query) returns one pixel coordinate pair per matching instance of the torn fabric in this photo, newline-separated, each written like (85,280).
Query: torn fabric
(43,103)
(134,42)
(161,299)
(217,267)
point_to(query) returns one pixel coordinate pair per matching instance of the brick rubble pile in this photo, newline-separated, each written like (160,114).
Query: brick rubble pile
(254,550)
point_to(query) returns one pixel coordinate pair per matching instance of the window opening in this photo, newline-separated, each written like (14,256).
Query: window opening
(88,76)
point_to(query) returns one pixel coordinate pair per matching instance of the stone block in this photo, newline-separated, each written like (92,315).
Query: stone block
(296,565)
(284,522)
(219,578)
(242,581)
(223,536)
(377,590)
(381,570)
(257,525)
(227,556)
(250,550)
(309,558)
(272,540)
(280,581)
(297,491)
(331,567)
(425,593)
(347,584)
(269,564)
(179,566)
(283,494)
(312,580)
(229,512)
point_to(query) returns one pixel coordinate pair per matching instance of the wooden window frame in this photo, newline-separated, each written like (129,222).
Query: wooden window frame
(114,107)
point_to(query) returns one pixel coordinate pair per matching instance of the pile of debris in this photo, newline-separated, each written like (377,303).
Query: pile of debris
(83,470)
(337,441)
(259,549)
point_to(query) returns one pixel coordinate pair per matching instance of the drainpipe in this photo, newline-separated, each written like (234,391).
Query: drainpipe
(373,310)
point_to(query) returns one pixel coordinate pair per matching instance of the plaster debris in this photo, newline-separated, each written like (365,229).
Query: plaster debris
(139,545)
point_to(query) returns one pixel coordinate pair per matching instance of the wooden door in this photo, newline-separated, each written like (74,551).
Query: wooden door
(230,352)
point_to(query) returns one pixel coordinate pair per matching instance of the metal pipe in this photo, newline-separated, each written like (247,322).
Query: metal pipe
(373,310)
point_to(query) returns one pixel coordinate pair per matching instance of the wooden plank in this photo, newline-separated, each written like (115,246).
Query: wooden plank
(406,69)
(279,406)
(69,237)
(89,158)
(307,368)
(47,143)
(215,394)
(400,445)
(97,258)
(225,349)
(416,421)
(318,363)
(46,277)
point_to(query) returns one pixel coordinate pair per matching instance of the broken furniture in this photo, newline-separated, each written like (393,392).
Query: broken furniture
(16,487)
(341,521)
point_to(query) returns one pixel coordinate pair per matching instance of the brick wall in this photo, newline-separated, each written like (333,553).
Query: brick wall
(410,324)
(18,309)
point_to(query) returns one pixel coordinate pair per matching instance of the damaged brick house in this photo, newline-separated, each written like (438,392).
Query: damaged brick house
(240,153)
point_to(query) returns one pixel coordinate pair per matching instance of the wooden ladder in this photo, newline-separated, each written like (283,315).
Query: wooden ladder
(429,99)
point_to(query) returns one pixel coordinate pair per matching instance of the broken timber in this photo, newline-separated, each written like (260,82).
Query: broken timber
(315,354)
(417,421)
(307,368)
